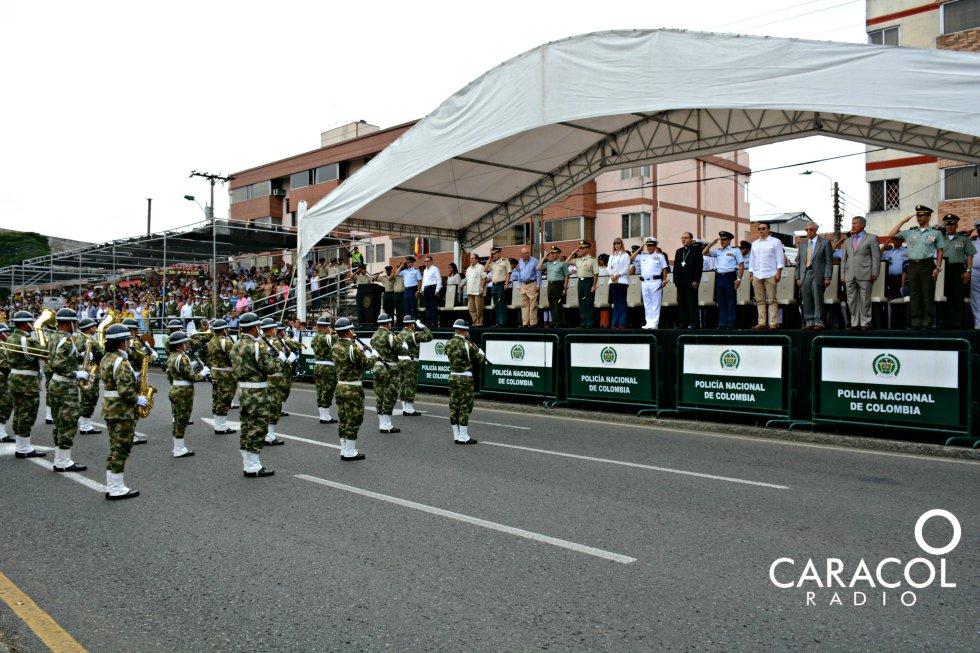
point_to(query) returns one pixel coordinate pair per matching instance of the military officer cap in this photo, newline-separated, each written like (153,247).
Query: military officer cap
(495,250)
(86,323)
(3,328)
(384,318)
(951,218)
(323,321)
(410,259)
(268,323)
(461,324)
(248,320)
(745,244)
(66,315)
(177,338)
(219,325)
(117,332)
(555,249)
(23,316)
(131,323)
(343,324)
(725,235)
(922,209)
(651,241)
(584,244)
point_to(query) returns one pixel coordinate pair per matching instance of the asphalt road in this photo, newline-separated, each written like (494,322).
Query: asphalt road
(633,539)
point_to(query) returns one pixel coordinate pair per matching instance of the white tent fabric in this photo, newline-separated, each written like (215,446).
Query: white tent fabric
(542,124)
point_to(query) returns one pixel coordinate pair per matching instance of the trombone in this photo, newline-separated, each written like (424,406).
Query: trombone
(29,350)
(47,319)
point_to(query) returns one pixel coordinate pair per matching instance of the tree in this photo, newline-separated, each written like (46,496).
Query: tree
(16,246)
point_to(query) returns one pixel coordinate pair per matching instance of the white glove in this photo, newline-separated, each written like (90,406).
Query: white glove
(81,375)
(137,375)
(206,371)
(292,358)
(481,352)
(153,355)
(405,346)
(282,357)
(419,324)
(142,401)
(370,353)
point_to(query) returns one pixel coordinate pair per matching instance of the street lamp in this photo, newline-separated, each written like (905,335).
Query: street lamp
(835,194)
(208,211)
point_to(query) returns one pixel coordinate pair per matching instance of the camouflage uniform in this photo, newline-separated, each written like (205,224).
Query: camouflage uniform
(6,406)
(23,383)
(252,362)
(386,379)
(409,369)
(219,361)
(290,347)
(90,396)
(63,362)
(278,386)
(324,368)
(462,355)
(182,377)
(119,407)
(350,362)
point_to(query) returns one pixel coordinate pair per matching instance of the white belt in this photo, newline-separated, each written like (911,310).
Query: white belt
(182,383)
(383,364)
(323,362)
(221,369)
(349,382)
(253,385)
(62,379)
(404,358)
(24,372)
(279,374)
(110,394)
(461,374)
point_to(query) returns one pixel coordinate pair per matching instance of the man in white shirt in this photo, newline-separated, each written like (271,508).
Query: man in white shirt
(431,285)
(186,313)
(315,290)
(652,268)
(766,263)
(476,281)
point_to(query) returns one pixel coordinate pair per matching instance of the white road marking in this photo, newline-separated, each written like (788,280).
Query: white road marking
(547,539)
(399,412)
(238,425)
(9,449)
(669,470)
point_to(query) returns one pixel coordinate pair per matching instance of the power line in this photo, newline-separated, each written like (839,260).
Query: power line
(763,15)
(808,13)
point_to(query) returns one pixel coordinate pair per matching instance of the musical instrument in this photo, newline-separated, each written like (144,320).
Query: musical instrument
(48,319)
(106,322)
(146,389)
(367,347)
(89,364)
(36,352)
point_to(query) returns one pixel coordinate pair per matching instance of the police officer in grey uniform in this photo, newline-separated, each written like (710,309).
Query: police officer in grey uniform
(925,261)
(958,254)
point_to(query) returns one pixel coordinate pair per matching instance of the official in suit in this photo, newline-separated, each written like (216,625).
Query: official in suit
(815,266)
(860,265)
(688,266)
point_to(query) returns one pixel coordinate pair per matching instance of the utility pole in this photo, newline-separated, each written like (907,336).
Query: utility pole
(838,218)
(149,205)
(212,178)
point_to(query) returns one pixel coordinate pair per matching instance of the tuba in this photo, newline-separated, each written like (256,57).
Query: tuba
(48,319)
(88,364)
(146,390)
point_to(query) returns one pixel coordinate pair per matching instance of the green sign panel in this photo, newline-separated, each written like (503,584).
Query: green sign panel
(890,385)
(602,370)
(733,377)
(519,367)
(433,364)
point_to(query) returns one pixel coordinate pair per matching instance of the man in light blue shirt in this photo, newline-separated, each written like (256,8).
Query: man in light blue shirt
(729,268)
(530,278)
(412,277)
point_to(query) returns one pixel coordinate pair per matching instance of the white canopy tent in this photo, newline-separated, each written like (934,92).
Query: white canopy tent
(540,125)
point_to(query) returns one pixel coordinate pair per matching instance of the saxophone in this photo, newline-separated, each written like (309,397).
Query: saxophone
(146,390)
(88,365)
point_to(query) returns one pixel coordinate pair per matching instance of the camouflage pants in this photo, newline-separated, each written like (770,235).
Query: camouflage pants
(409,372)
(47,388)
(350,410)
(222,392)
(64,409)
(121,432)
(386,382)
(255,404)
(288,375)
(460,399)
(6,406)
(25,394)
(181,403)
(326,385)
(90,397)
(278,391)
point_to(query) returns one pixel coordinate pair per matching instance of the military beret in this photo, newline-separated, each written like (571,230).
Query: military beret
(951,218)
(726,235)
(921,208)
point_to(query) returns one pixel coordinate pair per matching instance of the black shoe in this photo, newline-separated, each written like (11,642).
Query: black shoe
(470,441)
(74,467)
(190,422)
(329,421)
(393,429)
(225,432)
(283,413)
(128,495)
(260,473)
(8,438)
(91,432)
(140,441)
(412,414)
(48,421)
(33,453)
(235,406)
(186,454)
(359,456)
(275,443)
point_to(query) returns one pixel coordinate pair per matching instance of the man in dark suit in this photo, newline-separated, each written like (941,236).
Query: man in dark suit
(688,265)
(814,268)
(860,266)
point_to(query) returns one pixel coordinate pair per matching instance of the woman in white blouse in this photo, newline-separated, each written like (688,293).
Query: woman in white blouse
(619,282)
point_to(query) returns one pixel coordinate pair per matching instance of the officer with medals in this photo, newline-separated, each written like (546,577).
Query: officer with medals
(587,269)
(252,364)
(350,361)
(652,267)
(463,357)
(65,370)
(729,268)
(324,368)
(413,335)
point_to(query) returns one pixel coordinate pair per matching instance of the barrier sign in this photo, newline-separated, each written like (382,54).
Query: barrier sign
(890,385)
(519,366)
(733,377)
(433,364)
(604,370)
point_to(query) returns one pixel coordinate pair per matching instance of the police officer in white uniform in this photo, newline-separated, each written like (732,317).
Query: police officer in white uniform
(651,265)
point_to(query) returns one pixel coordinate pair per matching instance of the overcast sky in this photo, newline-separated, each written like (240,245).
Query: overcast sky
(108,103)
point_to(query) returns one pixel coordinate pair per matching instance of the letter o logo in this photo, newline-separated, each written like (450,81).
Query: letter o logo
(948,516)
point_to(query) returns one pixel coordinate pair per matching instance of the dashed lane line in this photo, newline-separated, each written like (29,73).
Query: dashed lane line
(8,450)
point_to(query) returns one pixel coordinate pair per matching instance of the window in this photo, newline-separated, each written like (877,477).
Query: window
(239,194)
(328,172)
(569,229)
(401,247)
(887,36)
(961,183)
(636,225)
(261,189)
(374,253)
(884,195)
(299,179)
(961,15)
(513,236)
(638,171)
